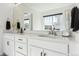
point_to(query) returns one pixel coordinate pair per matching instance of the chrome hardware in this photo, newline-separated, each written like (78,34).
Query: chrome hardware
(8,43)
(20,47)
(20,39)
(41,53)
(44,54)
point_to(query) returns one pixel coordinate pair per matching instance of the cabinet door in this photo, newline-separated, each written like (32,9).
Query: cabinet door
(35,51)
(74,49)
(18,54)
(8,47)
(52,53)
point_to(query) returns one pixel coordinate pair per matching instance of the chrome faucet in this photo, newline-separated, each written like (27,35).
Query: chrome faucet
(53,32)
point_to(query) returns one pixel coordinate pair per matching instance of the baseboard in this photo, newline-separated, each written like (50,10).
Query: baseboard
(1,54)
(4,54)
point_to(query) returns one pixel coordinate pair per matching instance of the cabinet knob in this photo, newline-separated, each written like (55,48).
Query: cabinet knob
(8,43)
(44,54)
(41,53)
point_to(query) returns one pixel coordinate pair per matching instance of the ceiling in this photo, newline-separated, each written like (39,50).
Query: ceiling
(45,6)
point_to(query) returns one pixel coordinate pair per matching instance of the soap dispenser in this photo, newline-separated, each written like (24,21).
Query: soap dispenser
(21,30)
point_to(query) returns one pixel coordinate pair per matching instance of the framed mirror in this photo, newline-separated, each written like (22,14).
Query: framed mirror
(27,21)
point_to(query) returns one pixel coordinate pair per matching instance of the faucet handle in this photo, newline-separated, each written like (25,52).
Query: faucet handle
(49,32)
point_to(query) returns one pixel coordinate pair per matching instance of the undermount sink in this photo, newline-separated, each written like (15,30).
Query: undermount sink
(50,36)
(43,35)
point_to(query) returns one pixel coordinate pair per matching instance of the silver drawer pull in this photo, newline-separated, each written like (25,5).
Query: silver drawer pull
(20,39)
(20,47)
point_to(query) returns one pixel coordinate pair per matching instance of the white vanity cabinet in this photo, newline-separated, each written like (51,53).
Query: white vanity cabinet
(8,44)
(38,47)
(20,45)
(35,51)
(74,48)
(52,53)
(15,44)
(18,54)
(23,45)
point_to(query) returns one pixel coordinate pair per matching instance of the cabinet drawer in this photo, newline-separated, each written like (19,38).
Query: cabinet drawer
(11,37)
(18,54)
(20,39)
(22,48)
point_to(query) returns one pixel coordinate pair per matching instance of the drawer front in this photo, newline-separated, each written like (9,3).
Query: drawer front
(18,54)
(11,37)
(74,48)
(20,39)
(22,48)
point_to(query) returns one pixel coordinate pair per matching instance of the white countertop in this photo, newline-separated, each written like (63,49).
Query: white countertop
(50,38)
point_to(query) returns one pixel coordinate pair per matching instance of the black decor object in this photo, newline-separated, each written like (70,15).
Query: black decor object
(75,19)
(21,30)
(18,25)
(4,54)
(8,25)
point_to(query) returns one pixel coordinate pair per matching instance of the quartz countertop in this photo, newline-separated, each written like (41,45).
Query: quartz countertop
(44,37)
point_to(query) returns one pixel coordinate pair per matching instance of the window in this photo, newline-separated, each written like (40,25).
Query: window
(48,22)
(52,21)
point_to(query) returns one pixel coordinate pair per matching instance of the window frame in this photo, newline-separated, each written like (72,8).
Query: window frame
(52,19)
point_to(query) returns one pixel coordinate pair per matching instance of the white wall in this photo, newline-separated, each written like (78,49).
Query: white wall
(38,19)
(19,13)
(37,13)
(66,10)
(5,11)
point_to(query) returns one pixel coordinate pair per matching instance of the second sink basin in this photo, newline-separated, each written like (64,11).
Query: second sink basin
(50,36)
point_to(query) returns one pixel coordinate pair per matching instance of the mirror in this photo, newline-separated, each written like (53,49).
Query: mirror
(27,21)
(38,18)
(23,16)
